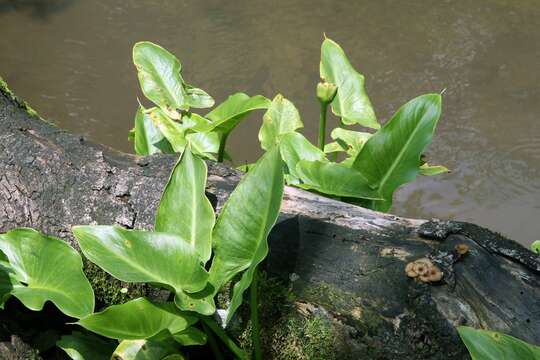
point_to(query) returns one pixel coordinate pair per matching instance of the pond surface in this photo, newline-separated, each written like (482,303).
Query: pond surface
(71,59)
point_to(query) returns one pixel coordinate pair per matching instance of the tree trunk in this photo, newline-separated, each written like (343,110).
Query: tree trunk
(343,293)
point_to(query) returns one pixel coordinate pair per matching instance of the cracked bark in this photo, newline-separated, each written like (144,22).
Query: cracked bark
(347,262)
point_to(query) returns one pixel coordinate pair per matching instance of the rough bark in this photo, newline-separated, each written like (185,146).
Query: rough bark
(344,264)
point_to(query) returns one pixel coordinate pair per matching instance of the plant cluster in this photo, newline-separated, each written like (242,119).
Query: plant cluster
(189,253)
(374,164)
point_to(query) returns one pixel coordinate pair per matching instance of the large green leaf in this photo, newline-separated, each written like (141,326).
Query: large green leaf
(147,350)
(391,156)
(351,102)
(350,141)
(281,117)
(242,228)
(143,256)
(490,345)
(295,147)
(47,269)
(137,319)
(184,208)
(227,115)
(81,346)
(147,135)
(159,76)
(334,179)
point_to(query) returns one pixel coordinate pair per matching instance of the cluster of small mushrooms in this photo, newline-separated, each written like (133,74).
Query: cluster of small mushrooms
(424,270)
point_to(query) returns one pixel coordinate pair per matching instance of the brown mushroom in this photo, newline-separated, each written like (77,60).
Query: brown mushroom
(410,271)
(434,274)
(462,249)
(421,268)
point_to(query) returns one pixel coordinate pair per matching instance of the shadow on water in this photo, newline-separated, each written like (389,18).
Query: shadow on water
(37,9)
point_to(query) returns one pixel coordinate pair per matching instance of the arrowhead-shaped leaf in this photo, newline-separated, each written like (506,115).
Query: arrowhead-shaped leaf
(47,269)
(159,76)
(227,115)
(391,156)
(351,102)
(81,346)
(7,280)
(242,228)
(205,144)
(491,345)
(184,208)
(295,147)
(137,319)
(143,256)
(334,179)
(281,117)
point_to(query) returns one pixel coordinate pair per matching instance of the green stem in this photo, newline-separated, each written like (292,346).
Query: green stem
(222,335)
(213,343)
(322,125)
(222,143)
(254,312)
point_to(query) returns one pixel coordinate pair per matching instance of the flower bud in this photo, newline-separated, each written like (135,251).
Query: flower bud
(326,92)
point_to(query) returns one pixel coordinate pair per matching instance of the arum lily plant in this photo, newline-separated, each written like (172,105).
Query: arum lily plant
(189,253)
(373,165)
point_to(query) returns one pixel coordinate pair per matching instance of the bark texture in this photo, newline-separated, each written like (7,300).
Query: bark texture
(342,266)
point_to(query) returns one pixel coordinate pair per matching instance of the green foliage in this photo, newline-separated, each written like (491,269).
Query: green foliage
(137,319)
(143,256)
(245,221)
(193,217)
(281,118)
(43,268)
(491,345)
(160,348)
(390,157)
(351,102)
(86,346)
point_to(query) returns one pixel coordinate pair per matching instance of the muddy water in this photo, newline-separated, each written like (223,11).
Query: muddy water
(71,60)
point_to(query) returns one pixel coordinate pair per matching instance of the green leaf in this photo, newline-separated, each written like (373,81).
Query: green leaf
(245,168)
(159,76)
(351,102)
(205,144)
(171,130)
(295,147)
(490,345)
(158,349)
(281,117)
(7,281)
(431,170)
(391,156)
(184,208)
(198,98)
(351,141)
(86,346)
(143,256)
(190,336)
(146,135)
(227,115)
(201,302)
(334,179)
(535,246)
(242,228)
(47,269)
(137,319)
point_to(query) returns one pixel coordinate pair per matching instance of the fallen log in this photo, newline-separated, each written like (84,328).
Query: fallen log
(336,286)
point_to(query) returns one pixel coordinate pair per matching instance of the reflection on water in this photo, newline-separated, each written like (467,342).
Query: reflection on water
(75,69)
(39,9)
